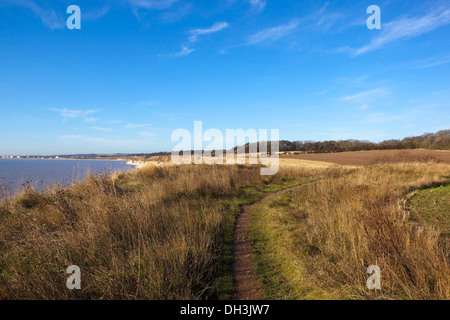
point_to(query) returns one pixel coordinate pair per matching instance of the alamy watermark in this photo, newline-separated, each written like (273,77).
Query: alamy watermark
(74,281)
(74,21)
(193,151)
(374,21)
(374,281)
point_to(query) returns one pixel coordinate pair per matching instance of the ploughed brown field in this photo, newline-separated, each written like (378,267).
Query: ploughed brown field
(365,158)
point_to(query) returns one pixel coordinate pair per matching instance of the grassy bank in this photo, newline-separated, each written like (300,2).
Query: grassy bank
(166,233)
(432,206)
(316,241)
(158,233)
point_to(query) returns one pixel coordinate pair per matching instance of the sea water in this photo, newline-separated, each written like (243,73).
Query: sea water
(17,173)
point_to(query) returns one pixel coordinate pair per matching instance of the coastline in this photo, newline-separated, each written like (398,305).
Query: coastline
(136,164)
(44,175)
(67,159)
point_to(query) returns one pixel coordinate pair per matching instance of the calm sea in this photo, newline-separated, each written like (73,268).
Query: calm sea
(43,173)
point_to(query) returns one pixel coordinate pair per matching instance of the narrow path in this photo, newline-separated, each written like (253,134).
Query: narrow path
(245,283)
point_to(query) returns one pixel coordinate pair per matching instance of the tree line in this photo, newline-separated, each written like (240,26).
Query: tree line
(432,141)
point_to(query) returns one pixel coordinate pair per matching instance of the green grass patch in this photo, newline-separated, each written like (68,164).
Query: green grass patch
(277,264)
(432,207)
(246,196)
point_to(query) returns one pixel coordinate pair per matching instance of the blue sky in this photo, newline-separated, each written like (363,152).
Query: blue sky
(139,69)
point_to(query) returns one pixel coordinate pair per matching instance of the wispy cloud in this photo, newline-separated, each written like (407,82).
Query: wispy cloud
(70,114)
(95,14)
(364,106)
(322,19)
(135,126)
(328,20)
(432,62)
(318,19)
(91,119)
(183,52)
(364,95)
(143,5)
(151,4)
(101,129)
(405,28)
(47,16)
(365,98)
(180,11)
(113,121)
(186,48)
(195,33)
(258,5)
(149,103)
(273,34)
(321,93)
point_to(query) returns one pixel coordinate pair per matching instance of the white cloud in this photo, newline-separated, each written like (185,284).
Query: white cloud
(215,28)
(148,103)
(183,52)
(258,5)
(113,121)
(321,93)
(325,20)
(175,14)
(432,62)
(273,34)
(47,16)
(194,34)
(70,114)
(101,129)
(94,15)
(135,126)
(329,20)
(407,28)
(91,119)
(366,97)
(151,4)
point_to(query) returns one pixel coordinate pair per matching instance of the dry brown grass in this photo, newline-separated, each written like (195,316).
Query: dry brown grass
(158,233)
(161,233)
(155,234)
(320,238)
